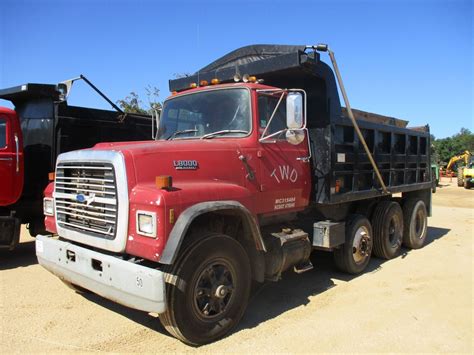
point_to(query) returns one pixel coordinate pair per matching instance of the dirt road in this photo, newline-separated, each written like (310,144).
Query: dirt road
(421,301)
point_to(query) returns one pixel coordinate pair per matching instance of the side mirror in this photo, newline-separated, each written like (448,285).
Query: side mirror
(294,110)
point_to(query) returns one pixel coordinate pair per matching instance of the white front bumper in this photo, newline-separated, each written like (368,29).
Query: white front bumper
(121,281)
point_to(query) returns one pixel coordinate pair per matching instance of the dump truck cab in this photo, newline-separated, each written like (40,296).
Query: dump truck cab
(11,157)
(11,174)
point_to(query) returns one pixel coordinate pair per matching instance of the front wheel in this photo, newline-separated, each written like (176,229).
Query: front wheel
(210,290)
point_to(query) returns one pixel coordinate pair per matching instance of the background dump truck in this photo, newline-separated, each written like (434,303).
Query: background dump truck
(256,164)
(42,126)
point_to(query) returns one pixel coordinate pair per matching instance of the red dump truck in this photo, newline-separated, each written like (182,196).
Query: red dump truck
(256,164)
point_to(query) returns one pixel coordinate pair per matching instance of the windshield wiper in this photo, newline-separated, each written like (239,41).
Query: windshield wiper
(181,132)
(225,131)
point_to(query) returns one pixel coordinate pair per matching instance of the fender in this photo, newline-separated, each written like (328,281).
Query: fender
(185,219)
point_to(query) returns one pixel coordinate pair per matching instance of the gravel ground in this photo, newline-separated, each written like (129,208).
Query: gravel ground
(421,301)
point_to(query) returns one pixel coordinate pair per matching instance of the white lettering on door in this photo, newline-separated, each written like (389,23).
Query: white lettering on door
(284,172)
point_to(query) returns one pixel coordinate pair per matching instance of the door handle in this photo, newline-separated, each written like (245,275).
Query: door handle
(6,159)
(17,153)
(250,174)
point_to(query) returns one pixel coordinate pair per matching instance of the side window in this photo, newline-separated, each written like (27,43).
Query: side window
(266,106)
(3,133)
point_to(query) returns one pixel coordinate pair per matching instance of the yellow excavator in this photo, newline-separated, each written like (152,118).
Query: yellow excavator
(465,174)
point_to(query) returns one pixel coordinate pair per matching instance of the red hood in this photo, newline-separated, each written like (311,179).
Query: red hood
(217,159)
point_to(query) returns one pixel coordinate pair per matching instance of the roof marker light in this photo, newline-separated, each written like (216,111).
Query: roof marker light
(215,81)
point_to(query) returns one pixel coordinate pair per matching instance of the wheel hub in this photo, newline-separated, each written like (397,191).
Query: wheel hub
(361,245)
(221,291)
(213,290)
(394,236)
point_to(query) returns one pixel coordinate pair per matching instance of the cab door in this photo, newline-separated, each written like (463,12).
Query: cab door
(11,157)
(284,173)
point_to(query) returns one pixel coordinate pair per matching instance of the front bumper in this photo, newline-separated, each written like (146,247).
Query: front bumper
(121,281)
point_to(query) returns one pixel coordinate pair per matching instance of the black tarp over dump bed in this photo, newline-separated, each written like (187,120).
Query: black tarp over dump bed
(342,171)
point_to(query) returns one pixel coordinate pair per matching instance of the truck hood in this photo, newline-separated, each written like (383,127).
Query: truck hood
(190,160)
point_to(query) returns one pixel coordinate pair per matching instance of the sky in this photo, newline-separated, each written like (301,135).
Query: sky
(407,59)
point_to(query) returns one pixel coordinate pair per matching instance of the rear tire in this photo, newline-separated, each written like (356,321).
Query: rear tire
(210,291)
(387,223)
(354,255)
(459,177)
(416,223)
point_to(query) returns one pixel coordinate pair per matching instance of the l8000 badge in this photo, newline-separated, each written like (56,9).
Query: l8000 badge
(185,164)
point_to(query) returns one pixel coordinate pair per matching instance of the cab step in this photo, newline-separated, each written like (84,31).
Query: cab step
(306,266)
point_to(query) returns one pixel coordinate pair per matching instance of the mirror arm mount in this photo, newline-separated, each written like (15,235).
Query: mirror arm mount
(264,139)
(308,158)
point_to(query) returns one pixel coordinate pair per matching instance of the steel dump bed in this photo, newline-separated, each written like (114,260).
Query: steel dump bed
(341,169)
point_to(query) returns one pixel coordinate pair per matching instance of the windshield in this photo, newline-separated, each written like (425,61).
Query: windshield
(206,115)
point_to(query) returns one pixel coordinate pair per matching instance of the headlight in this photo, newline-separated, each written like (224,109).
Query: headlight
(146,223)
(48,206)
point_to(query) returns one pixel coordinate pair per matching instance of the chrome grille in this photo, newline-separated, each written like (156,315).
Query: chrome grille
(86,198)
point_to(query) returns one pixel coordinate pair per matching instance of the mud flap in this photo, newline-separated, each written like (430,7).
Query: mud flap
(9,232)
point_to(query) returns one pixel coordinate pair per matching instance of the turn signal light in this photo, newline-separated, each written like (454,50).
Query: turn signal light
(215,81)
(252,79)
(164,182)
(171,215)
(51,176)
(193,85)
(174,93)
(203,83)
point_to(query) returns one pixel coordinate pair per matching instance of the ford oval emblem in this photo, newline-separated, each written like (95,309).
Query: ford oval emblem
(80,198)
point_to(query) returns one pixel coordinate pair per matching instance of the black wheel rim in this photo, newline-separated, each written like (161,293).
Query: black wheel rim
(394,235)
(214,289)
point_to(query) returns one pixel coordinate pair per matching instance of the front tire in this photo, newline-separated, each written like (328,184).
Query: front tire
(354,255)
(210,292)
(387,222)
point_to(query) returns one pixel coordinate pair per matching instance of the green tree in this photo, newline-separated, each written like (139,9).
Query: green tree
(133,104)
(446,148)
